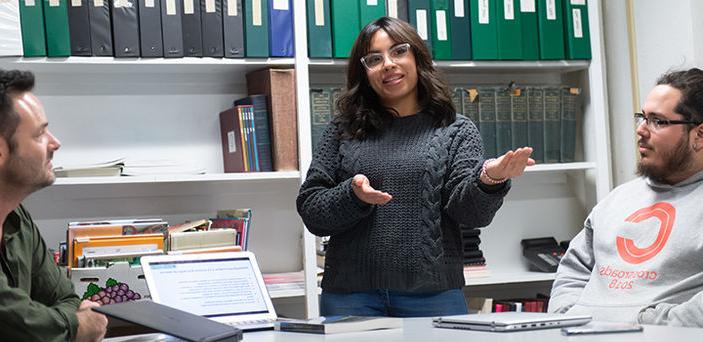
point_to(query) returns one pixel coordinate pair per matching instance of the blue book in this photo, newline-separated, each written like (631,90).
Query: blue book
(281,41)
(339,324)
(261,128)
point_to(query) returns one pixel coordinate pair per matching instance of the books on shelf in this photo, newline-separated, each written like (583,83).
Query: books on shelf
(339,324)
(100,169)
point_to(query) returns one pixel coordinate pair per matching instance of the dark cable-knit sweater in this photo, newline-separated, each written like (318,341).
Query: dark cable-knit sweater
(413,242)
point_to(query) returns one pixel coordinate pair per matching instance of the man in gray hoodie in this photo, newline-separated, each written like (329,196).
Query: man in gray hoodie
(640,254)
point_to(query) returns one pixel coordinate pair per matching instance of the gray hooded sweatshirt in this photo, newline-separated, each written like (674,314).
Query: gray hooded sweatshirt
(639,256)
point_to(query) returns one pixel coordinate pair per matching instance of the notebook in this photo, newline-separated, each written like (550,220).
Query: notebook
(174,322)
(510,321)
(225,287)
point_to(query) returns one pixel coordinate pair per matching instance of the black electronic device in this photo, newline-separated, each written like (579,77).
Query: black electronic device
(544,254)
(171,321)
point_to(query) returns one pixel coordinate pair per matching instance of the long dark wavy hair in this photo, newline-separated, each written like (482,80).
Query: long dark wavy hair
(361,111)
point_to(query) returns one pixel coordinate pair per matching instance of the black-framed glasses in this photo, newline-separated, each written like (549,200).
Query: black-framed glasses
(375,60)
(657,123)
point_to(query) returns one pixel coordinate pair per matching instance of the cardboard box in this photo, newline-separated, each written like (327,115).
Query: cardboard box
(121,278)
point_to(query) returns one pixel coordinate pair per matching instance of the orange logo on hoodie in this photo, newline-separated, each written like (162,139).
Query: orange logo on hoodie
(666,214)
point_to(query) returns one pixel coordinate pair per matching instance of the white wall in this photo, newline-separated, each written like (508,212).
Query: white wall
(664,36)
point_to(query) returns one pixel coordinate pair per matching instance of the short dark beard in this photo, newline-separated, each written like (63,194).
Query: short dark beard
(680,159)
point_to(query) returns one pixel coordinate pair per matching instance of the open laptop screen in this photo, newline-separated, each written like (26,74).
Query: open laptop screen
(209,287)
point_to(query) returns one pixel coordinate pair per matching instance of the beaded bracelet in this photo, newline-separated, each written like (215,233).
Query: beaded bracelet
(490,180)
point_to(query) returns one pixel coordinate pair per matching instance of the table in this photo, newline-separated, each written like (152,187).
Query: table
(421,330)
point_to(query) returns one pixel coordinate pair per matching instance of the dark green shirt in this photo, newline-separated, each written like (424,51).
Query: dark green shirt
(37,301)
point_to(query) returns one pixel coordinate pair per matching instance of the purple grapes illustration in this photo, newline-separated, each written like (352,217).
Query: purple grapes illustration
(113,292)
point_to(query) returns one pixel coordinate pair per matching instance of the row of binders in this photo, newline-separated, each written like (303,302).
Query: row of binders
(102,243)
(541,116)
(460,29)
(147,28)
(488,305)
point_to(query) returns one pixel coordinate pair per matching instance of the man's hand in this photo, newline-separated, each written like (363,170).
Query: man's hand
(510,165)
(91,325)
(363,190)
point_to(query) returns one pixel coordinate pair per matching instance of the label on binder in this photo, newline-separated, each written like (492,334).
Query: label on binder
(280,5)
(393,8)
(527,6)
(188,7)
(421,15)
(319,13)
(371,2)
(578,2)
(170,7)
(231,145)
(256,13)
(551,10)
(149,3)
(578,29)
(232,8)
(53,3)
(76,3)
(459,8)
(29,3)
(483,14)
(98,3)
(209,6)
(509,9)
(441,17)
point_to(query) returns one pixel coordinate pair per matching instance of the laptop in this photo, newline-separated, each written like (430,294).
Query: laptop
(510,321)
(225,287)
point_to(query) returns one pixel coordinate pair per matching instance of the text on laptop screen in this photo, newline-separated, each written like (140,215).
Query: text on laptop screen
(211,288)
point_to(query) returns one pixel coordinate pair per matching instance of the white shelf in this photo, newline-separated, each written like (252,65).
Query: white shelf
(561,167)
(213,177)
(506,277)
(491,66)
(82,65)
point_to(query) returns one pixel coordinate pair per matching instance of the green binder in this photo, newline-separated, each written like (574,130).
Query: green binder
(319,29)
(509,29)
(460,33)
(256,28)
(345,26)
(578,38)
(58,38)
(484,29)
(441,30)
(551,29)
(370,10)
(32,22)
(530,36)
(419,15)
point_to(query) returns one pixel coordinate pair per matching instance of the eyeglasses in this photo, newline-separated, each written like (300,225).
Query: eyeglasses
(375,60)
(655,123)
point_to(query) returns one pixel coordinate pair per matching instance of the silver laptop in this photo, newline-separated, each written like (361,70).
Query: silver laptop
(225,287)
(510,321)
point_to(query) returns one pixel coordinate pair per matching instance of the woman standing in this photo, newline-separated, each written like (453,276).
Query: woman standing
(393,179)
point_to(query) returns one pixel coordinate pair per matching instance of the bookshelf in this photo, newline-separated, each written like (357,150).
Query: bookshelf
(102,107)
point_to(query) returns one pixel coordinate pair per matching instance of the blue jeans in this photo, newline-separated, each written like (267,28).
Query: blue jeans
(393,303)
